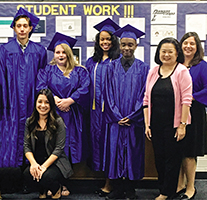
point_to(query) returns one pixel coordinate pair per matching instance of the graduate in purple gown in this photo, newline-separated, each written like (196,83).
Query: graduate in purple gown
(123,99)
(106,49)
(69,83)
(20,60)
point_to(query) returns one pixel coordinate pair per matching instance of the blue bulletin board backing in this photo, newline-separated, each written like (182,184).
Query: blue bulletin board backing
(157,19)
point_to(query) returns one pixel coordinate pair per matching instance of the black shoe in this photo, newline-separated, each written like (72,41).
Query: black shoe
(115,194)
(185,197)
(101,193)
(25,189)
(130,194)
(178,194)
(97,191)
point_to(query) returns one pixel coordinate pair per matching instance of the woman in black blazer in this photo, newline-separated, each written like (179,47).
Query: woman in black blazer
(44,143)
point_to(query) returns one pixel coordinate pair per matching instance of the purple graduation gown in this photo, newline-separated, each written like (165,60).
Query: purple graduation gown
(97,125)
(199,77)
(18,73)
(123,96)
(76,87)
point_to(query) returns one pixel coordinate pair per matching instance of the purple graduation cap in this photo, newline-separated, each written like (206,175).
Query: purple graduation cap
(60,38)
(107,25)
(129,31)
(33,18)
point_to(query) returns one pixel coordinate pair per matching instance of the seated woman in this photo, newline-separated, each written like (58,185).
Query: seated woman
(44,143)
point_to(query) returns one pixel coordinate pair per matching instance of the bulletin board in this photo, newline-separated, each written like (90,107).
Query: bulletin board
(158,19)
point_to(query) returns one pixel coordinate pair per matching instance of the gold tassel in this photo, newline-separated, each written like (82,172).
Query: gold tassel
(103,107)
(94,104)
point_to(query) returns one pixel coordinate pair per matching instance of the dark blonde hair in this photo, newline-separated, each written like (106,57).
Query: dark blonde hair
(70,64)
(199,53)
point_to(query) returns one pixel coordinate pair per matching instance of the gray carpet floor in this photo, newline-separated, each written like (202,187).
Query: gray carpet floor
(86,190)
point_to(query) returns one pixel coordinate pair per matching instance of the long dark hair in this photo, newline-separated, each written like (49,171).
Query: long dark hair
(180,58)
(114,51)
(198,57)
(51,124)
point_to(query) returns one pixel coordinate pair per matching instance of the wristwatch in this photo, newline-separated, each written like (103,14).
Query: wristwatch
(183,123)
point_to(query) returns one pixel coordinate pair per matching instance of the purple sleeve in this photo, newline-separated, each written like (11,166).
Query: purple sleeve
(43,59)
(137,114)
(110,109)
(200,83)
(81,95)
(42,79)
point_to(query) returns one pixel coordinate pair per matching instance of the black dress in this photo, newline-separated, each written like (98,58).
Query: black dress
(167,150)
(162,103)
(40,153)
(195,139)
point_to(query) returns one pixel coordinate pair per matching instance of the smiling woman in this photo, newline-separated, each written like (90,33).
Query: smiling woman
(189,47)
(105,41)
(166,110)
(44,141)
(195,140)
(69,83)
(42,105)
(106,49)
(168,57)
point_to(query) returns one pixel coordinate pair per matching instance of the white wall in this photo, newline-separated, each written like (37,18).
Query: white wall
(202,164)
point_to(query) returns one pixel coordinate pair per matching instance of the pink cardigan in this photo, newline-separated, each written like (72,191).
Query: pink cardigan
(182,86)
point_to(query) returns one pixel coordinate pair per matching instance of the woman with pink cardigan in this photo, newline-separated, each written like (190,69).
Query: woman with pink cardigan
(167,101)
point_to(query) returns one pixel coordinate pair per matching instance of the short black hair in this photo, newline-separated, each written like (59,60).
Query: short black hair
(180,58)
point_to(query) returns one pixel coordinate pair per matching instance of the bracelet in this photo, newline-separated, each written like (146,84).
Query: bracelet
(183,123)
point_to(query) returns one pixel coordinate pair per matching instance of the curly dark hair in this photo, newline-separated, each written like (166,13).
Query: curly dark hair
(114,51)
(51,124)
(180,58)
(199,53)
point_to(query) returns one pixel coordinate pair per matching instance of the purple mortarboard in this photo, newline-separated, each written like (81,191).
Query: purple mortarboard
(59,38)
(129,31)
(34,19)
(107,25)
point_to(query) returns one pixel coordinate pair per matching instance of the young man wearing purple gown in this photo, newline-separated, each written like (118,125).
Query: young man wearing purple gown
(123,97)
(20,60)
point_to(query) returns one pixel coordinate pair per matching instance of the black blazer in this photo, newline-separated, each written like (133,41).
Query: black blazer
(53,146)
